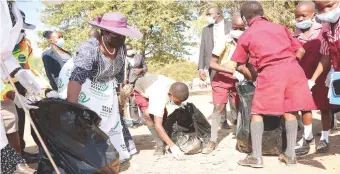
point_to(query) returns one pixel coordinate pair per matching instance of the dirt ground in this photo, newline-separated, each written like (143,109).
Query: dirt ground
(224,158)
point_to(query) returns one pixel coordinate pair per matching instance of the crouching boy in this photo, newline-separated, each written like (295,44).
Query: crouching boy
(152,93)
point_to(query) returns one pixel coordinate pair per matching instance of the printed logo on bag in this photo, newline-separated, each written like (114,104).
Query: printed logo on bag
(99,86)
(60,83)
(99,89)
(106,111)
(83,98)
(115,131)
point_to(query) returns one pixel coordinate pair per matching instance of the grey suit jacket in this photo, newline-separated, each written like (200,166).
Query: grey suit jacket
(139,63)
(207,46)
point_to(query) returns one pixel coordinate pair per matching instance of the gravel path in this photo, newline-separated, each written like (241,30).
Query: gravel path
(224,158)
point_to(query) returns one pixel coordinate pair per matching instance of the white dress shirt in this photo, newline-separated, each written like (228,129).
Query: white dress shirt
(219,32)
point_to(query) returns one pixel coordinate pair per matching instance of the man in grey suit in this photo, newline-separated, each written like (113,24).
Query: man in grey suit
(135,69)
(216,30)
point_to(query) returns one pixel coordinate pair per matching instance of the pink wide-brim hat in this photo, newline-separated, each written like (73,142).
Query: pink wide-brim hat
(117,23)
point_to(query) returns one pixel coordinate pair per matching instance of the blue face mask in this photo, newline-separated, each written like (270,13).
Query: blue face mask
(304,24)
(60,43)
(330,16)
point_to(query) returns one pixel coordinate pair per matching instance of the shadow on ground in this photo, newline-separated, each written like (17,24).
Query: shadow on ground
(144,142)
(312,158)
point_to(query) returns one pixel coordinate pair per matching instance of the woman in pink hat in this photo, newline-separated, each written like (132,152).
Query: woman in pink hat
(96,68)
(102,58)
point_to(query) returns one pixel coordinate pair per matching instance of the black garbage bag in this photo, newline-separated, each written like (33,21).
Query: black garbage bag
(272,141)
(274,136)
(70,132)
(188,128)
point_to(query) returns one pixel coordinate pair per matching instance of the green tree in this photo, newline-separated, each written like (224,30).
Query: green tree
(278,11)
(161,22)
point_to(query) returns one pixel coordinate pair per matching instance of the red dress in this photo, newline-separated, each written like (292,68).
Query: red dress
(309,64)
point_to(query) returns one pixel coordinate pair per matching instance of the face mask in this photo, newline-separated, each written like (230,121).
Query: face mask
(304,24)
(60,43)
(211,20)
(330,16)
(130,53)
(117,42)
(21,37)
(236,33)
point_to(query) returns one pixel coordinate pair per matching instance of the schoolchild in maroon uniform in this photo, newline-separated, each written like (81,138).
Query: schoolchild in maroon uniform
(281,82)
(316,67)
(329,12)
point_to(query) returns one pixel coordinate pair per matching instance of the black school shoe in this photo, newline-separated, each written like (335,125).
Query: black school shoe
(322,147)
(304,150)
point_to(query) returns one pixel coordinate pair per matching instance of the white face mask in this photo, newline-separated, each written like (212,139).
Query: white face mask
(210,20)
(21,37)
(330,16)
(130,53)
(236,33)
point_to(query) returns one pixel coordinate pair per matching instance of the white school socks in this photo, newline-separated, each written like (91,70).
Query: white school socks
(308,132)
(324,135)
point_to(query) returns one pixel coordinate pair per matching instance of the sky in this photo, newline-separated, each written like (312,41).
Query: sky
(31,9)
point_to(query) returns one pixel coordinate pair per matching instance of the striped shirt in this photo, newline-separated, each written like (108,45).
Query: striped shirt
(314,33)
(330,37)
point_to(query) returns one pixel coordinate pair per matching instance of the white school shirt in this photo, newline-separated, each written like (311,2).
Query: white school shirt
(155,88)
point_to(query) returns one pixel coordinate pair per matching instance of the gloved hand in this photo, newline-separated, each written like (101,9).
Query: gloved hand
(238,76)
(52,94)
(176,152)
(27,80)
(311,83)
(26,102)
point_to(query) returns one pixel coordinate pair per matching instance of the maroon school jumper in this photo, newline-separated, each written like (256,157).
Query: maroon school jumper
(310,62)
